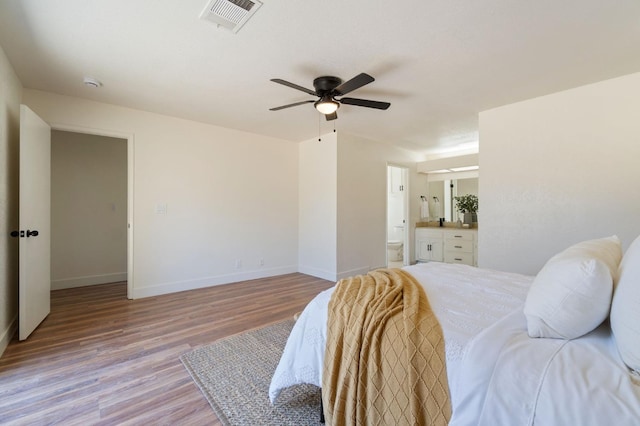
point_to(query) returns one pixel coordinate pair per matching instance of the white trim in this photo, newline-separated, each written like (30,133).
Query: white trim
(319,273)
(91,131)
(130,187)
(358,271)
(176,286)
(8,334)
(332,276)
(88,280)
(130,191)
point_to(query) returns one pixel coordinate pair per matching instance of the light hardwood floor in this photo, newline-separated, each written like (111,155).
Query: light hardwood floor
(101,359)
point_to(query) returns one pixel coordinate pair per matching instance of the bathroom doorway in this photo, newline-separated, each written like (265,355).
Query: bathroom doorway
(397,224)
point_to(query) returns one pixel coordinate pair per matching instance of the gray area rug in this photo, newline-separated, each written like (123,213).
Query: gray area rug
(234,374)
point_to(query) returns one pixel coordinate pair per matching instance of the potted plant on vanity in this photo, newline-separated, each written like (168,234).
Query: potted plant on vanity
(468,206)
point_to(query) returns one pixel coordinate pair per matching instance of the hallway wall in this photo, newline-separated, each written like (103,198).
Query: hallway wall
(88,209)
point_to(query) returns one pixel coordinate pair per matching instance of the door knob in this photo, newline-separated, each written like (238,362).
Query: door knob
(21,234)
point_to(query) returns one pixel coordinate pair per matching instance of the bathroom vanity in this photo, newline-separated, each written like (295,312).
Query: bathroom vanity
(450,245)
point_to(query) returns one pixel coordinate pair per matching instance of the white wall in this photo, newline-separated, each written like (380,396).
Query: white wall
(557,170)
(318,207)
(88,209)
(230,195)
(10,98)
(362,198)
(343,210)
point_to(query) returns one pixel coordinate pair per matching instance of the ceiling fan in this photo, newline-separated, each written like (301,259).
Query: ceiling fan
(327,88)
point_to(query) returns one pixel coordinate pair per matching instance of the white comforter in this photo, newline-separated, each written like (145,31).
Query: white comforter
(507,378)
(497,374)
(466,301)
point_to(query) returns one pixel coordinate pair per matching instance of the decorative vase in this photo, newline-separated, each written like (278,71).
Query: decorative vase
(469,218)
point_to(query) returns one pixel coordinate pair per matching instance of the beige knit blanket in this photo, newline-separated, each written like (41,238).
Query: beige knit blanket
(384,363)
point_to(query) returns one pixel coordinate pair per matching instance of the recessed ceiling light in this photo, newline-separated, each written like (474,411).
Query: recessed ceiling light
(92,82)
(464,169)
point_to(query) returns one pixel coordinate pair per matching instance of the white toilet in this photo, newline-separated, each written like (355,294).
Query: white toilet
(395,245)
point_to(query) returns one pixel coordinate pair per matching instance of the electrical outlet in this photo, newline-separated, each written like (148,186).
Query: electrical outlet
(161,208)
(238,263)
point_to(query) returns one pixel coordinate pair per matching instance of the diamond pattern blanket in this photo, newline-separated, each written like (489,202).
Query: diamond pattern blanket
(384,360)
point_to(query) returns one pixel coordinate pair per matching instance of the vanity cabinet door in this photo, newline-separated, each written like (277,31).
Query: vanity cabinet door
(436,250)
(429,246)
(422,249)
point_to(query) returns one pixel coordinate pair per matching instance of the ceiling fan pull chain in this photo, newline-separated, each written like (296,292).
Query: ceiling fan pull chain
(319,139)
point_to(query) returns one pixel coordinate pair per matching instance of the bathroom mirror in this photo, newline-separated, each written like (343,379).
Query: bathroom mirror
(443,204)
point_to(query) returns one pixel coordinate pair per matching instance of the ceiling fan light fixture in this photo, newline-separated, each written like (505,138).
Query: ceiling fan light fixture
(326,105)
(327,88)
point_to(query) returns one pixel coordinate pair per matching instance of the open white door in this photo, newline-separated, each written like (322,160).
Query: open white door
(35,222)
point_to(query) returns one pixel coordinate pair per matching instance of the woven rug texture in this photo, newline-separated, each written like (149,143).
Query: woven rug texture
(234,374)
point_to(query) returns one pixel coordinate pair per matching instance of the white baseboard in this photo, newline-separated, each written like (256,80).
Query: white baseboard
(315,272)
(332,276)
(8,334)
(88,280)
(176,286)
(352,272)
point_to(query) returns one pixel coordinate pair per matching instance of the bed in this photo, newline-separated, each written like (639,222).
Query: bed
(516,348)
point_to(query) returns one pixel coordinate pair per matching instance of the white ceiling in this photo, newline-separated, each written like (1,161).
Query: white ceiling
(438,62)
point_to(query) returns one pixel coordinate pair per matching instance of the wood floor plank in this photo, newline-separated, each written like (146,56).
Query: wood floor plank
(100,359)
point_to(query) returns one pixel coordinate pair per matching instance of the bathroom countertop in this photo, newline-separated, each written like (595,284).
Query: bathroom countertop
(448,225)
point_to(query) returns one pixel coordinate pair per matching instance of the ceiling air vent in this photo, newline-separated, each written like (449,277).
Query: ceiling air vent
(230,14)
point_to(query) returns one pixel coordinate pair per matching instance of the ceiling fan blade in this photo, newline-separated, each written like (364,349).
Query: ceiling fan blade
(294,86)
(355,83)
(365,103)
(290,105)
(332,116)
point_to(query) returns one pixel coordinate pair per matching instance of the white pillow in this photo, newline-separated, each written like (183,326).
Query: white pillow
(625,310)
(571,294)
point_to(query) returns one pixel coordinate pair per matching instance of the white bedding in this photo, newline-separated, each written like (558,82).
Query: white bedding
(508,378)
(497,374)
(465,299)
